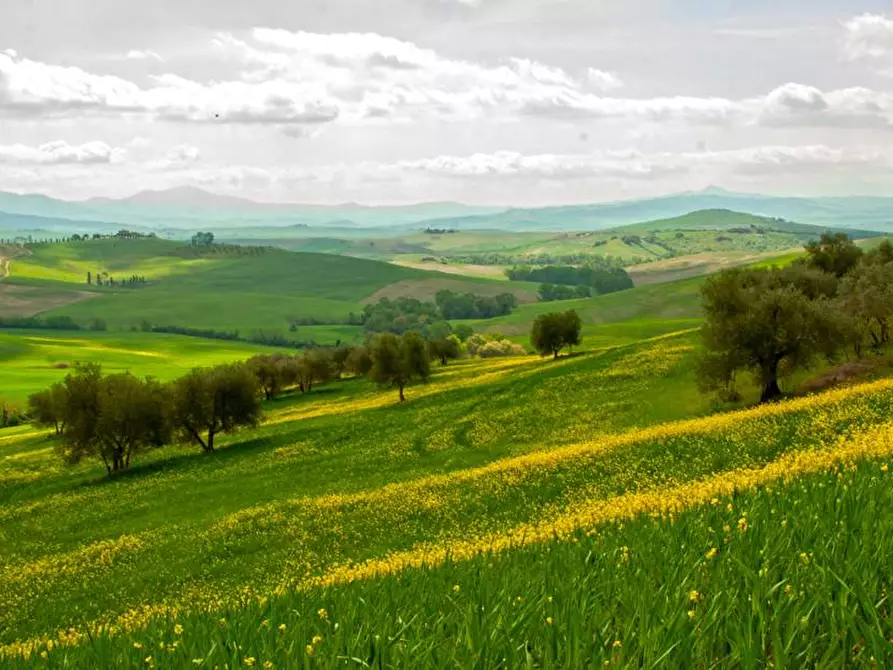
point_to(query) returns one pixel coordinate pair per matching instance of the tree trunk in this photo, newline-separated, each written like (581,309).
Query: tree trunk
(556,354)
(209,447)
(771,390)
(402,397)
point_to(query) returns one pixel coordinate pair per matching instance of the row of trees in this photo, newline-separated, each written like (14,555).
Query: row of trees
(596,274)
(104,279)
(773,322)
(430,318)
(115,417)
(555,292)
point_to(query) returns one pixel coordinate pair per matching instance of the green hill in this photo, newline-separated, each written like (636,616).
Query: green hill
(223,287)
(724,220)
(590,509)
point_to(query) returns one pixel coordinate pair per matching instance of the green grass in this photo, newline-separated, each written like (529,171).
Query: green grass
(32,360)
(615,318)
(348,474)
(803,586)
(225,290)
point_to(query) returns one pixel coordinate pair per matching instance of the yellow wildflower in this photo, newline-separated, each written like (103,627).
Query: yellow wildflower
(137,645)
(316,639)
(549,620)
(456,588)
(250,660)
(178,629)
(283,627)
(742,524)
(323,615)
(711,554)
(310,650)
(617,643)
(694,596)
(691,614)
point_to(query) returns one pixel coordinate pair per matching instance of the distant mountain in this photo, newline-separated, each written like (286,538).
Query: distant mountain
(183,196)
(190,209)
(724,219)
(843,212)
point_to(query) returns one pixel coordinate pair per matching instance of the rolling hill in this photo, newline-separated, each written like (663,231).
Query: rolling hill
(186,209)
(597,508)
(222,288)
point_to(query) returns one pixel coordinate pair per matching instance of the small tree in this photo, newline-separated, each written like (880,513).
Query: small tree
(553,332)
(359,362)
(758,320)
(314,367)
(270,373)
(215,400)
(339,357)
(48,408)
(397,361)
(866,297)
(113,418)
(446,349)
(834,254)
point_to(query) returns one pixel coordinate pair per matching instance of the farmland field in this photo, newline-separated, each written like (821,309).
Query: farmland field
(228,289)
(347,510)
(32,360)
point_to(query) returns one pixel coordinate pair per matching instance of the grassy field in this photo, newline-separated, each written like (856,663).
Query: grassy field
(226,290)
(508,502)
(32,360)
(706,240)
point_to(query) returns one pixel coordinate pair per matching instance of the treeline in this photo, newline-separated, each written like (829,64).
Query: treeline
(105,279)
(50,323)
(430,318)
(772,322)
(497,258)
(600,278)
(272,339)
(554,292)
(114,418)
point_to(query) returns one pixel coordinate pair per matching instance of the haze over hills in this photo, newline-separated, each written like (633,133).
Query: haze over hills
(189,208)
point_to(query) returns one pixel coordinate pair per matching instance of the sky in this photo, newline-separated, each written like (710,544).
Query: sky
(490,102)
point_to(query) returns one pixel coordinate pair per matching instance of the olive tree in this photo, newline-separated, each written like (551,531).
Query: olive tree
(397,361)
(209,401)
(113,418)
(48,408)
(763,322)
(553,332)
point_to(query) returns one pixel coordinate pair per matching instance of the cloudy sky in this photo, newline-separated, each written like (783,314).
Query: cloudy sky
(514,102)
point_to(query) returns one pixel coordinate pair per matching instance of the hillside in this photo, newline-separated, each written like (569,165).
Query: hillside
(725,220)
(844,212)
(558,496)
(180,210)
(221,288)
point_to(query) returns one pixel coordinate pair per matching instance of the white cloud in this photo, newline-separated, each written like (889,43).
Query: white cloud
(869,36)
(60,153)
(604,81)
(799,105)
(137,54)
(627,165)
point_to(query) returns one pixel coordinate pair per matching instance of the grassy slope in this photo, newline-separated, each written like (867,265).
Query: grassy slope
(32,361)
(221,291)
(348,474)
(622,317)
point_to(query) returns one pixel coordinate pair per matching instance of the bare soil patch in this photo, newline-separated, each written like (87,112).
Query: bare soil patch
(18,300)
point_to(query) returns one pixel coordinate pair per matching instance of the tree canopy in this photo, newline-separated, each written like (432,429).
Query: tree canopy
(555,331)
(397,361)
(764,321)
(208,401)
